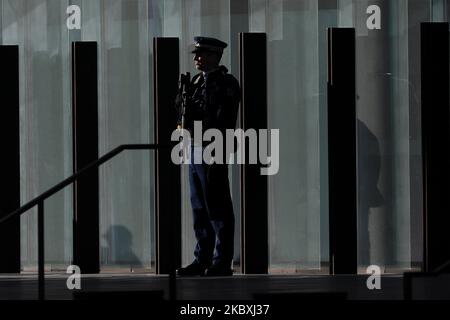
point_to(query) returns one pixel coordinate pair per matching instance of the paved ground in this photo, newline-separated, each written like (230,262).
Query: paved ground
(238,287)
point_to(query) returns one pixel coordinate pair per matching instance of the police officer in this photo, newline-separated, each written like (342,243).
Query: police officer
(213,97)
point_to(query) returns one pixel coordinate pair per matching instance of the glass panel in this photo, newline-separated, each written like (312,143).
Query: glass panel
(438,10)
(45,115)
(294,108)
(388,111)
(328,17)
(126,208)
(125,226)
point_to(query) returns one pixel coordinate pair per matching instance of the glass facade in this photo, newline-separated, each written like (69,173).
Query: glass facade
(388,112)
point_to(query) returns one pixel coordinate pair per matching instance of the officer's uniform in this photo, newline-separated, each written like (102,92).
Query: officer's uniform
(214,99)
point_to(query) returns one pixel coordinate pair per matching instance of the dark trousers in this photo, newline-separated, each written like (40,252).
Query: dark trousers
(213,214)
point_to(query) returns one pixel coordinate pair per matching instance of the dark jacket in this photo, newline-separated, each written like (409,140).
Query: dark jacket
(215,102)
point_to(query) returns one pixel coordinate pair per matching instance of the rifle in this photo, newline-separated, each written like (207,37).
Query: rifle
(183,89)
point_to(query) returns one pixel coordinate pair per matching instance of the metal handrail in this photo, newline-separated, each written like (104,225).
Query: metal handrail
(39,201)
(408,278)
(443,267)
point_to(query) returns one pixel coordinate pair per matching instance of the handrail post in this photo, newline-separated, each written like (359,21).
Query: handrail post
(41,253)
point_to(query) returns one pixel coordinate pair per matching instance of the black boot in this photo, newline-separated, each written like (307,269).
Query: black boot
(219,270)
(194,269)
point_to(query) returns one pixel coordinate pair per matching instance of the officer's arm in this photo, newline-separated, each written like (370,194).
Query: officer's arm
(228,110)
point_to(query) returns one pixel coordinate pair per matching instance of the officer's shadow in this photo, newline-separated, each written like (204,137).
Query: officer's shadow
(369,163)
(119,250)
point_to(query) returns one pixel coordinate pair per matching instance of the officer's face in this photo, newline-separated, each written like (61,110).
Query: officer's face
(206,61)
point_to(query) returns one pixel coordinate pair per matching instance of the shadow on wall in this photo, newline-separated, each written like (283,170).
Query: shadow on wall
(369,163)
(119,250)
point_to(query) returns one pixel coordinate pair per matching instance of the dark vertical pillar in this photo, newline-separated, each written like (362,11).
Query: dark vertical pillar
(85,150)
(10,160)
(239,22)
(342,151)
(435,143)
(253,115)
(166,71)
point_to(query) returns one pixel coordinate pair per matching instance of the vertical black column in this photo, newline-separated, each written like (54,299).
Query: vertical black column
(10,160)
(85,151)
(342,151)
(253,115)
(166,71)
(435,143)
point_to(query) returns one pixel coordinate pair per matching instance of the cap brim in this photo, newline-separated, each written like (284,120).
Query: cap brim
(195,49)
